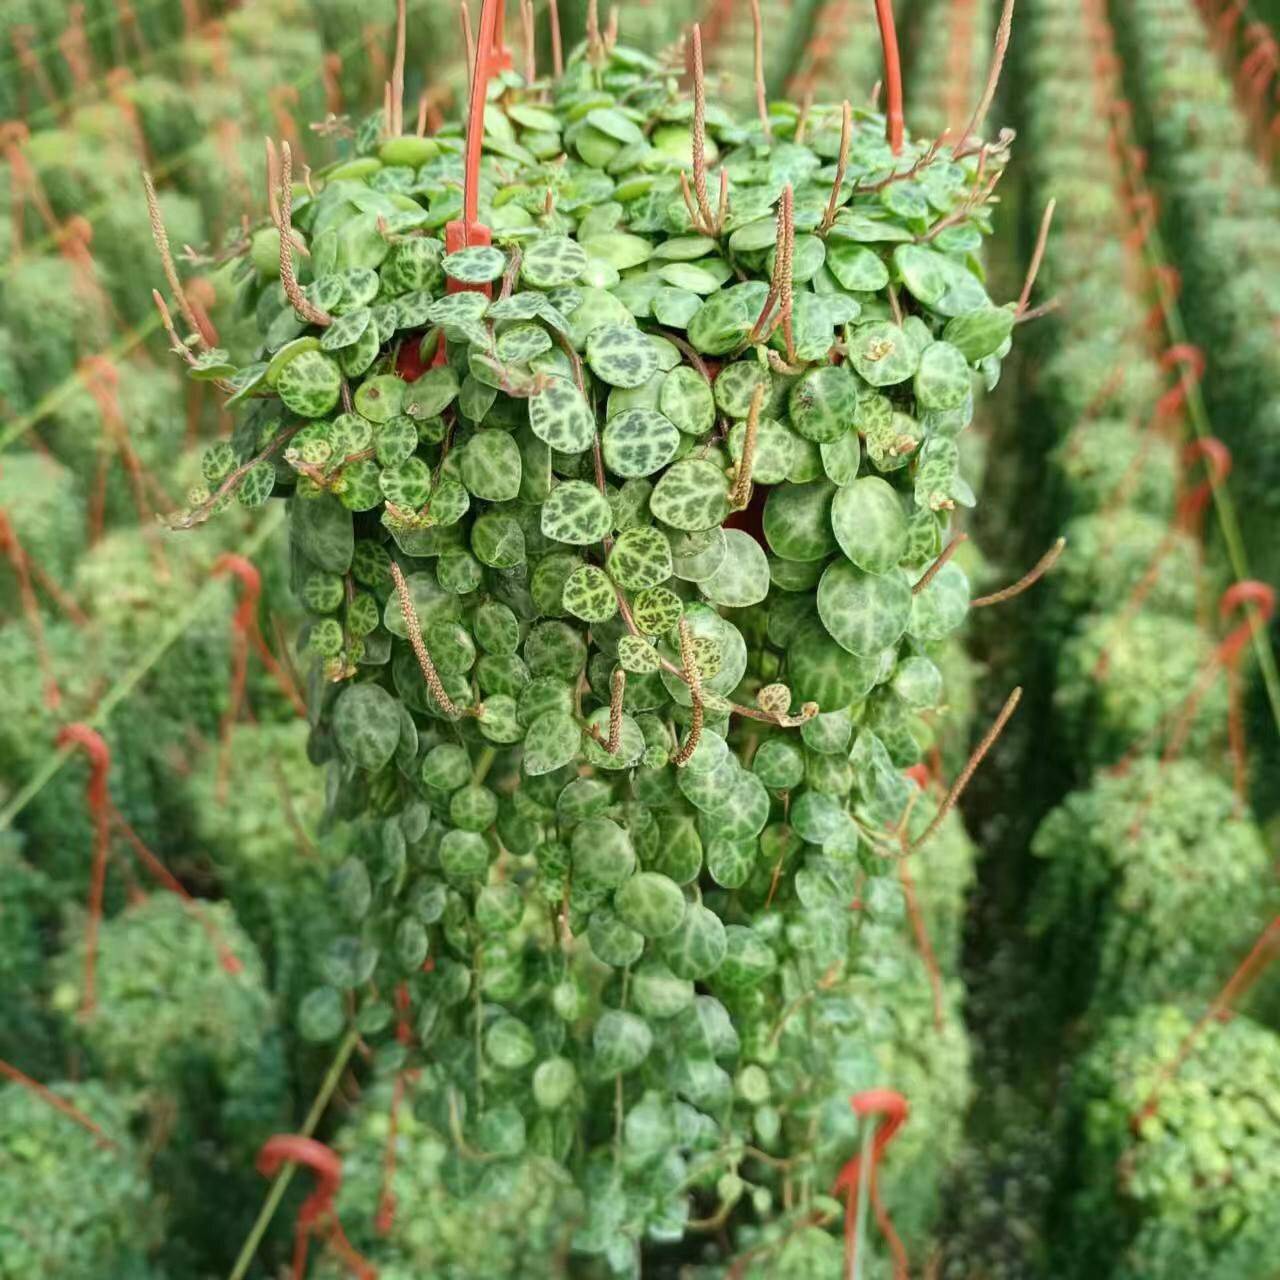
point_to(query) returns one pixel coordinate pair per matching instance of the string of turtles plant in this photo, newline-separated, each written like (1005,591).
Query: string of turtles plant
(1238,392)
(620,442)
(1133,835)
(1202,163)
(1155,1176)
(34,38)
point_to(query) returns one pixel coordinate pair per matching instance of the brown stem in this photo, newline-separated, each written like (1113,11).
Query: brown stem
(971,767)
(762,107)
(397,74)
(1028,579)
(1037,257)
(557,52)
(846,130)
(414,627)
(161,237)
(199,514)
(694,680)
(301,303)
(740,494)
(179,346)
(932,571)
(700,133)
(52,1099)
(993,75)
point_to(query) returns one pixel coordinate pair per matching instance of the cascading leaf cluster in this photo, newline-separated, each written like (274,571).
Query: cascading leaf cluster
(75,1205)
(613,535)
(1180,1172)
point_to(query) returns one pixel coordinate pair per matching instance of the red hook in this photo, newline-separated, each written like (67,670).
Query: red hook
(1238,596)
(250,582)
(323,1162)
(1188,359)
(894,1109)
(1217,458)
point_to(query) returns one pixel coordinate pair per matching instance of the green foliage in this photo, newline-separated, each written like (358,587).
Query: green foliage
(1191,1190)
(46,512)
(195,1041)
(1117,562)
(1204,158)
(27,1033)
(448,1200)
(543,898)
(170,1015)
(1140,867)
(1151,665)
(73,1206)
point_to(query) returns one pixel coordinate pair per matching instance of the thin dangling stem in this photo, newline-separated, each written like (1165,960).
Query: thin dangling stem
(414,627)
(971,767)
(700,134)
(892,75)
(58,1104)
(397,74)
(293,291)
(1028,579)
(740,493)
(1245,975)
(557,49)
(693,678)
(762,106)
(161,237)
(932,571)
(1003,30)
(842,161)
(1037,257)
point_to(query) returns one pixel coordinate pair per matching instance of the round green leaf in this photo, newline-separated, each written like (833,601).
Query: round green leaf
(650,903)
(824,403)
(560,416)
(883,354)
(687,400)
(576,513)
(551,742)
(476,265)
(640,558)
(491,466)
(870,524)
(621,355)
(366,725)
(863,612)
(551,261)
(692,495)
(743,576)
(310,384)
(589,595)
(943,380)
(797,520)
(639,442)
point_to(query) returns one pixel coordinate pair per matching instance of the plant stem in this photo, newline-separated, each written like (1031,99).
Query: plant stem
(281,1183)
(864,1197)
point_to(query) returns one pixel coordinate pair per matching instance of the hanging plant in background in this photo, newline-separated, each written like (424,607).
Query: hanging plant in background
(621,444)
